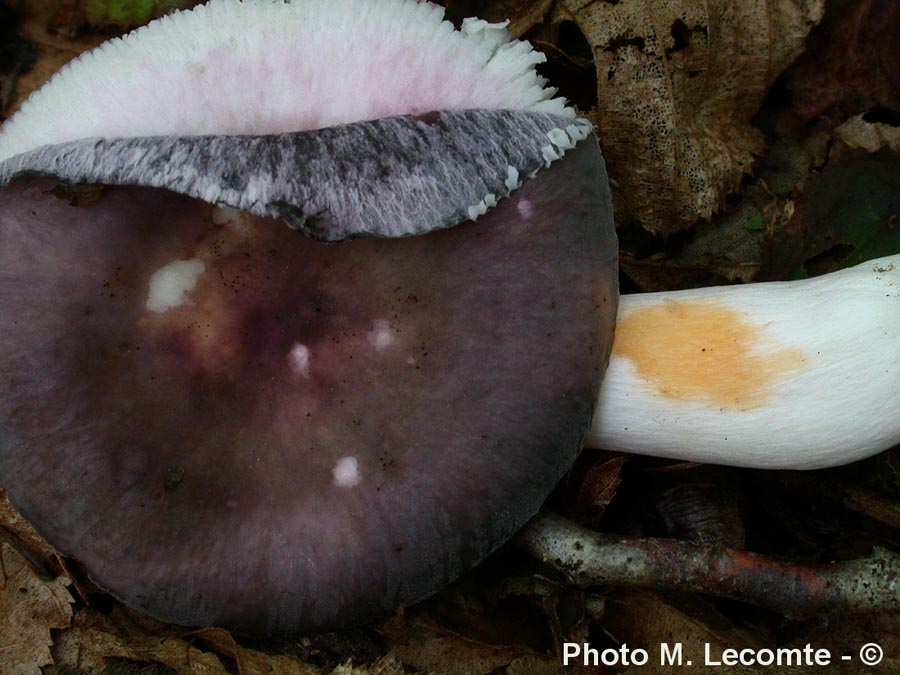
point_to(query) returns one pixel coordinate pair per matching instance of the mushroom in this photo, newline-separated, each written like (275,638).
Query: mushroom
(779,375)
(229,423)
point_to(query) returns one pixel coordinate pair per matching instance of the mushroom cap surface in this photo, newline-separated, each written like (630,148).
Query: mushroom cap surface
(230,423)
(299,435)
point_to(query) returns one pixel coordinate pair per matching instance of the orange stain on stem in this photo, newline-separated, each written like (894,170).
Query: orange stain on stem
(703,351)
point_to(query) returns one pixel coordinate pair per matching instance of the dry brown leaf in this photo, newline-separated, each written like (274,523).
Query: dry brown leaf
(846,635)
(386,666)
(15,529)
(703,506)
(663,274)
(457,656)
(95,649)
(870,136)
(678,81)
(37,25)
(421,643)
(97,641)
(650,620)
(30,608)
(847,213)
(252,662)
(727,250)
(523,15)
(851,63)
(598,487)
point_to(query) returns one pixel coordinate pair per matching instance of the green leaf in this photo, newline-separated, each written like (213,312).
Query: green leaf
(130,13)
(754,222)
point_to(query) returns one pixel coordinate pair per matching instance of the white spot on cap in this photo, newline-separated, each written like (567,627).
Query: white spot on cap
(234,219)
(525,208)
(170,284)
(298,358)
(382,335)
(346,472)
(223,215)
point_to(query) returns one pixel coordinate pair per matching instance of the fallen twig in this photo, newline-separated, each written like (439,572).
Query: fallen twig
(592,559)
(871,504)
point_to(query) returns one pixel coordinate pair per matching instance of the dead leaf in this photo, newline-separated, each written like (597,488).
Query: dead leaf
(847,214)
(38,27)
(523,15)
(678,82)
(94,648)
(97,642)
(661,273)
(703,506)
(648,620)
(16,56)
(386,666)
(249,661)
(566,610)
(851,63)
(456,656)
(21,535)
(127,14)
(872,504)
(30,607)
(598,486)
(718,253)
(420,642)
(252,662)
(79,195)
(846,636)
(858,132)
(728,249)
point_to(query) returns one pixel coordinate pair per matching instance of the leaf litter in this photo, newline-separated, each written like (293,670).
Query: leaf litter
(30,608)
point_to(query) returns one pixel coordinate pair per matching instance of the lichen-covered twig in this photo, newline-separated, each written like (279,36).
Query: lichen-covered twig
(593,559)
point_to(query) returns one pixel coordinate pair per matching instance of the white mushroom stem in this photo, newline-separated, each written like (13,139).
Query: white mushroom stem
(800,375)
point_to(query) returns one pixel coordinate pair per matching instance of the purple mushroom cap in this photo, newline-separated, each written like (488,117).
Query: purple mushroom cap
(229,422)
